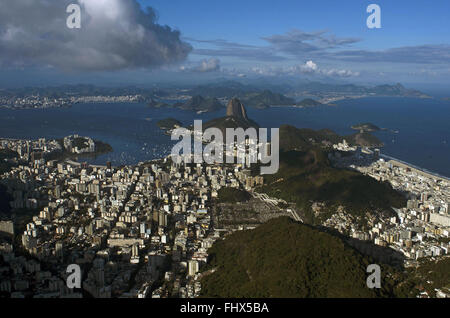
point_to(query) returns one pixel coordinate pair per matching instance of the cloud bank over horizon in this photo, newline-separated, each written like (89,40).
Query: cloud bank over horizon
(122,37)
(204,66)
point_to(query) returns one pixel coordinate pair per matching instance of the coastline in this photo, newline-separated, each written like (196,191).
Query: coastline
(414,167)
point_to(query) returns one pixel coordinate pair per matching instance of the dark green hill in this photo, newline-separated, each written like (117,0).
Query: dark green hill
(303,138)
(292,138)
(380,90)
(266,99)
(199,103)
(233,195)
(364,139)
(283,258)
(306,176)
(431,274)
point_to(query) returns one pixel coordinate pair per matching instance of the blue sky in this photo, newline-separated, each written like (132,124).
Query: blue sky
(121,42)
(403,22)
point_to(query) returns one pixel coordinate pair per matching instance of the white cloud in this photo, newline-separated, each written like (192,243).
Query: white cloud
(114,34)
(206,65)
(313,69)
(309,67)
(340,73)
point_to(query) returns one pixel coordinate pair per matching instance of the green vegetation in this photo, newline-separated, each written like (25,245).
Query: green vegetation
(303,138)
(282,258)
(428,276)
(80,142)
(364,139)
(435,272)
(292,138)
(233,195)
(306,176)
(5,160)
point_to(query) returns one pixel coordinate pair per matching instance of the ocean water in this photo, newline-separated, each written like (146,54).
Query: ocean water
(422,126)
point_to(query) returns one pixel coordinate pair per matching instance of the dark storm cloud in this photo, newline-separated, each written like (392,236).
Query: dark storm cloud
(294,43)
(225,48)
(297,42)
(248,54)
(115,34)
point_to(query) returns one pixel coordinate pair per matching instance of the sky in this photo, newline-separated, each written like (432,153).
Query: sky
(150,41)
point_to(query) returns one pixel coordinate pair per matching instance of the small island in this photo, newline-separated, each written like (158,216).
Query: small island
(366,127)
(364,139)
(169,124)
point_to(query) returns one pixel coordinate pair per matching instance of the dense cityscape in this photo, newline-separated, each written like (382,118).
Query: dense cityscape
(145,230)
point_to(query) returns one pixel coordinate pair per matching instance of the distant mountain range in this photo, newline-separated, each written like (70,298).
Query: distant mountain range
(322,93)
(200,104)
(384,90)
(266,99)
(196,103)
(206,98)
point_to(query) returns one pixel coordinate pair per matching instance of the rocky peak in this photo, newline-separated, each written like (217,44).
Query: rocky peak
(236,108)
